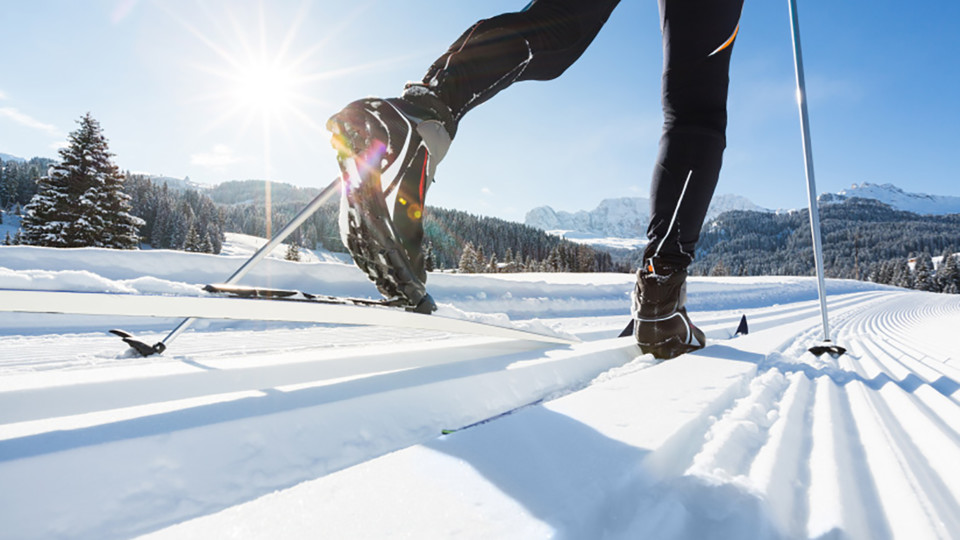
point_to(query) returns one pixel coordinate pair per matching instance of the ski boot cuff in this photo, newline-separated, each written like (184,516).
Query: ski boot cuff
(660,291)
(422,96)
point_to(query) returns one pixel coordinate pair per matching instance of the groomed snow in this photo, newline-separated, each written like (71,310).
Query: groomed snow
(257,430)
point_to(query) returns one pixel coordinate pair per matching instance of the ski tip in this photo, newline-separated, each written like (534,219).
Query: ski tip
(827,347)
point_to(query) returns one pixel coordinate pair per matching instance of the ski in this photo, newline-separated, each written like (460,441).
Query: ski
(331,310)
(242,291)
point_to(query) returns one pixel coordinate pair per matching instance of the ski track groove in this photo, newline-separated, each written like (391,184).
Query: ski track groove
(842,495)
(910,427)
(863,446)
(835,444)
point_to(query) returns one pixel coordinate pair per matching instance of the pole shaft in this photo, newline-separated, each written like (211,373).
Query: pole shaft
(808,166)
(265,250)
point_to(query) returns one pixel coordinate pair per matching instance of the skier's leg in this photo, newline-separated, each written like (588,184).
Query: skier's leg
(538,43)
(698,38)
(396,143)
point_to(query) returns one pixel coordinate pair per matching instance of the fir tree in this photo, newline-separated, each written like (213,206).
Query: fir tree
(293,252)
(192,242)
(923,273)
(428,263)
(948,274)
(468,260)
(902,276)
(719,269)
(206,245)
(80,202)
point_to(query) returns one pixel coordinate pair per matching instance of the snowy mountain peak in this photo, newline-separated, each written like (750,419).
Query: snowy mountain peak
(8,157)
(616,219)
(622,217)
(919,203)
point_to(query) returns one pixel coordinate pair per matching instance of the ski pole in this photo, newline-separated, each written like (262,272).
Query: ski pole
(281,235)
(811,186)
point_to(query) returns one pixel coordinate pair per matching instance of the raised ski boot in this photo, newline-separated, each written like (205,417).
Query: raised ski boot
(661,325)
(388,151)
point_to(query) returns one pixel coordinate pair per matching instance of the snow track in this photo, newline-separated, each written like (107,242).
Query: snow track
(288,430)
(729,442)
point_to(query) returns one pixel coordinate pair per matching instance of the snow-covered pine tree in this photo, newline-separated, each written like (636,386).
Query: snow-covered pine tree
(719,269)
(293,252)
(948,274)
(468,260)
(192,242)
(902,276)
(493,266)
(923,273)
(6,187)
(80,202)
(206,245)
(428,263)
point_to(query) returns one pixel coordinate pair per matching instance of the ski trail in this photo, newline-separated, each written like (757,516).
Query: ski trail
(749,438)
(865,445)
(916,424)
(780,469)
(841,494)
(899,423)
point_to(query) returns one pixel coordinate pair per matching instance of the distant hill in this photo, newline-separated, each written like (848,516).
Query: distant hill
(255,192)
(8,157)
(619,225)
(918,203)
(857,233)
(179,184)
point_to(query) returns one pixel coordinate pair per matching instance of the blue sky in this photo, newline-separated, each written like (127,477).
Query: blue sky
(178,87)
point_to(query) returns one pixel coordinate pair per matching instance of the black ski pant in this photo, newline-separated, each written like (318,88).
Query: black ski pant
(548,36)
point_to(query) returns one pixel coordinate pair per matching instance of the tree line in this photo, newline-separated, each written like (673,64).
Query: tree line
(18,181)
(862,239)
(447,233)
(186,220)
(84,200)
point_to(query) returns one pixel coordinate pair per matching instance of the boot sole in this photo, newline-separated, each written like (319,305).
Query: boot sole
(669,349)
(370,235)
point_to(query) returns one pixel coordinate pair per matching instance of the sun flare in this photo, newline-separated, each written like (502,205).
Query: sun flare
(265,87)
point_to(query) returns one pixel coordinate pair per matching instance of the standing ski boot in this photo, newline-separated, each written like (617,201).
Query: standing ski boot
(395,145)
(661,325)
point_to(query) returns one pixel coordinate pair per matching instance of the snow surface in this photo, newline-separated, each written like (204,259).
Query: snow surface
(271,430)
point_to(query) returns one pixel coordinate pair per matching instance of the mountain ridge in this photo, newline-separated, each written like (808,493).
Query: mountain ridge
(623,221)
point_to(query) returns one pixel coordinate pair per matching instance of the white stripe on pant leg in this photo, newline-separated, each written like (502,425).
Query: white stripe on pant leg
(675,212)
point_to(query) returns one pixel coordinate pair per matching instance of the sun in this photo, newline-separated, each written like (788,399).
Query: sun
(266,87)
(256,70)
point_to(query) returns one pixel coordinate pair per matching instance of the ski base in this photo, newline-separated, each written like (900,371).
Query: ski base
(242,291)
